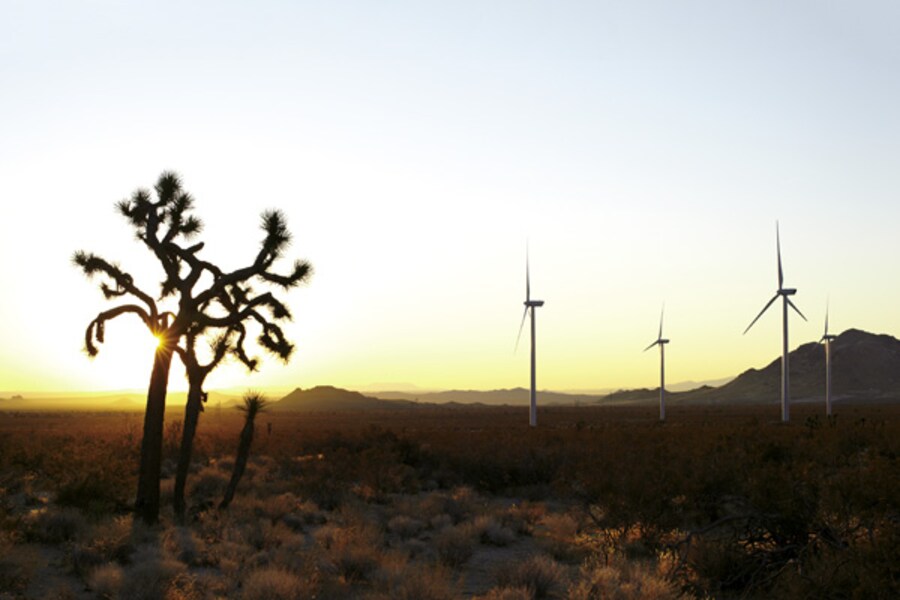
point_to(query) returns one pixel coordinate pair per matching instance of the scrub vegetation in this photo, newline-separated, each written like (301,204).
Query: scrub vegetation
(433,503)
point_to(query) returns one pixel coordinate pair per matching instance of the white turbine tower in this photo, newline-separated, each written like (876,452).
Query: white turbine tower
(785,294)
(530,305)
(827,338)
(662,366)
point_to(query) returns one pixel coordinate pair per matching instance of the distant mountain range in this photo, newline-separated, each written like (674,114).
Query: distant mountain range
(865,367)
(110,401)
(490,398)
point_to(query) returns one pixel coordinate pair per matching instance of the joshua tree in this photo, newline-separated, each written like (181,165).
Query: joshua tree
(231,341)
(164,226)
(254,403)
(196,375)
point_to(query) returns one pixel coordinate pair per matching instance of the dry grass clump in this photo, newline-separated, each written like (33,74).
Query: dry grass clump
(455,545)
(107,580)
(403,581)
(505,593)
(459,504)
(542,576)
(117,538)
(110,540)
(621,580)
(489,531)
(405,527)
(354,551)
(151,574)
(18,564)
(209,483)
(274,583)
(184,544)
(521,518)
(56,525)
(558,533)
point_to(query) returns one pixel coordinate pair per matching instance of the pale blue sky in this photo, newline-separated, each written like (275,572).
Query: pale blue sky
(645,149)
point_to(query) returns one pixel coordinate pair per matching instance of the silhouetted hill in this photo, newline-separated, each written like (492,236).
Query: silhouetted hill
(515,396)
(632,396)
(864,366)
(328,398)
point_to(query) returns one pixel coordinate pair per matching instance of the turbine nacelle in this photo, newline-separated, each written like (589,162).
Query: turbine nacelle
(658,342)
(787,291)
(533,303)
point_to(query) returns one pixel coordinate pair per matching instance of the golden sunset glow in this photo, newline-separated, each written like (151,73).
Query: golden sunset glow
(646,155)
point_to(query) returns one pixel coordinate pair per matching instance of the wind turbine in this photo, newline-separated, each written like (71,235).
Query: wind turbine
(785,294)
(530,305)
(662,366)
(827,339)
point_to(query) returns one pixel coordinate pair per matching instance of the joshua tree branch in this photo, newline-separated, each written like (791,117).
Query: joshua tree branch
(91,264)
(95,330)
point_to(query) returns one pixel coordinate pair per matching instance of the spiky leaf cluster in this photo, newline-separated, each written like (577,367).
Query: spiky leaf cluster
(254,403)
(226,306)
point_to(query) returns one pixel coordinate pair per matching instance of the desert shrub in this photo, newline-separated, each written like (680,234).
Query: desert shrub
(416,582)
(489,531)
(507,593)
(417,549)
(96,493)
(440,522)
(274,584)
(209,482)
(459,504)
(304,514)
(106,580)
(83,559)
(151,574)
(18,564)
(455,545)
(54,526)
(558,534)
(540,575)
(405,527)
(184,545)
(354,551)
(277,505)
(521,518)
(116,539)
(621,581)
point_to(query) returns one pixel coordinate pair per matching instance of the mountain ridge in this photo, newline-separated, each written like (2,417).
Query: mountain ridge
(865,367)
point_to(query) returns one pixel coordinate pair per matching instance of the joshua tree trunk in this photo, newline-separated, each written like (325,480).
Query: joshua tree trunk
(146,504)
(192,411)
(253,404)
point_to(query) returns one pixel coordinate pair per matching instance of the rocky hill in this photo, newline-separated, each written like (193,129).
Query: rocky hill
(329,398)
(864,366)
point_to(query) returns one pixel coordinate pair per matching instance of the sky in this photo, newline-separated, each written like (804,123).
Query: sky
(642,150)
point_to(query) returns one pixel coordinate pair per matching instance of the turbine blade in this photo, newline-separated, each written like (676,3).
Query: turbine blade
(826,319)
(661,313)
(765,308)
(778,248)
(521,326)
(527,276)
(791,304)
(651,345)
